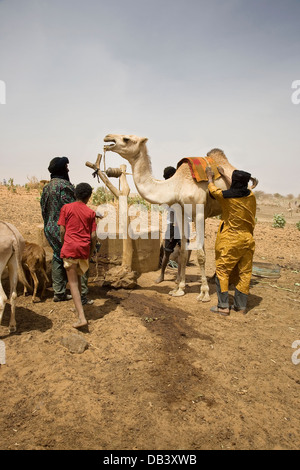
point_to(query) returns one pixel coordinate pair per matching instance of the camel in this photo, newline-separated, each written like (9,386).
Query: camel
(178,190)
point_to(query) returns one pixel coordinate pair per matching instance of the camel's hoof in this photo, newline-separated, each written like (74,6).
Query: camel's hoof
(203,298)
(178,293)
(172,292)
(12,329)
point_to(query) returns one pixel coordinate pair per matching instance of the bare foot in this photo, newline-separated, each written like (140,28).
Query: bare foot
(80,324)
(159,279)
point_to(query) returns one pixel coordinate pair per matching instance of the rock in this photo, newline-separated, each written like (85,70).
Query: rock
(75,343)
(120,278)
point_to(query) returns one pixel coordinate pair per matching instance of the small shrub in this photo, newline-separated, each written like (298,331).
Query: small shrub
(33,183)
(11,186)
(298,225)
(138,200)
(101,196)
(278,221)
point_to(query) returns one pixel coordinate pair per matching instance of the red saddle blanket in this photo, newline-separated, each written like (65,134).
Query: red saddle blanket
(197,166)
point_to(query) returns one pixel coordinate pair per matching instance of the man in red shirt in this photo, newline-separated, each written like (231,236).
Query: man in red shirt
(78,235)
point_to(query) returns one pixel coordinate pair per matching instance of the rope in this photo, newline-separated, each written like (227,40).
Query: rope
(173,264)
(113,172)
(104,171)
(104,152)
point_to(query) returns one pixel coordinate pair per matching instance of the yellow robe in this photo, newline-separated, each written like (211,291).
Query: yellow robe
(235,244)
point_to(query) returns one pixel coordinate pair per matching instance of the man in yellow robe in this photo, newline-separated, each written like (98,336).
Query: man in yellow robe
(235,244)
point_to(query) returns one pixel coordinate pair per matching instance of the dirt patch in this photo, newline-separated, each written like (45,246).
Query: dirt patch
(160,372)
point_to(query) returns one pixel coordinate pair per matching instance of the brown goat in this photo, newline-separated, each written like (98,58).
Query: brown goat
(34,263)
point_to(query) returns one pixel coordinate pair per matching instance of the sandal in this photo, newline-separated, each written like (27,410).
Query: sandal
(220,311)
(241,310)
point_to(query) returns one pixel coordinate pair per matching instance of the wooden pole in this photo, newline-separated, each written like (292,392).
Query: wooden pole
(124,191)
(127,241)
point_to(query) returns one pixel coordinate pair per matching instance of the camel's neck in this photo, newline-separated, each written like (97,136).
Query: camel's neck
(154,191)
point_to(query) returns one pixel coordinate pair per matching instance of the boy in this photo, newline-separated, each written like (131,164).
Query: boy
(78,236)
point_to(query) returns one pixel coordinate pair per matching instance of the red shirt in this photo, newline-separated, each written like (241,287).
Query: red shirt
(79,222)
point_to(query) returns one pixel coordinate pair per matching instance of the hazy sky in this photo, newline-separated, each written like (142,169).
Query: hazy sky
(188,74)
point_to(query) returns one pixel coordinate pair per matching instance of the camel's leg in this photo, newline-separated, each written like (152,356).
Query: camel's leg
(204,290)
(13,280)
(200,237)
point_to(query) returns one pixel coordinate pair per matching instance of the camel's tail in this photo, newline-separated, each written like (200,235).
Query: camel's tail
(254,182)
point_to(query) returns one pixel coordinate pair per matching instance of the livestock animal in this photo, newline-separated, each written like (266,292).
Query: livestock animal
(34,263)
(11,249)
(180,188)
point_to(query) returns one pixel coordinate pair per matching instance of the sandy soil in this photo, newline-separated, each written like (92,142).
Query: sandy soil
(160,373)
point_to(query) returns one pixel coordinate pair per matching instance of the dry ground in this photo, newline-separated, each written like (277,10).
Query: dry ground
(160,373)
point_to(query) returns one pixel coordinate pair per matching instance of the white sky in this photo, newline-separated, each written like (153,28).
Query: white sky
(188,74)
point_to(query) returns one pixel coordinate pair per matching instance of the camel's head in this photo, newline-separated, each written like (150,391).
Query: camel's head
(128,146)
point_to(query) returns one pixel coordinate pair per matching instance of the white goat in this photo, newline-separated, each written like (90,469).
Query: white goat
(11,248)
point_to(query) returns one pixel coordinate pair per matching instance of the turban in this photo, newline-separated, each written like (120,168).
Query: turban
(239,184)
(58,168)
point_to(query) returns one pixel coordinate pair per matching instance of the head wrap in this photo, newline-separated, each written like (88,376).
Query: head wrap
(239,185)
(169,171)
(58,168)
